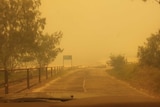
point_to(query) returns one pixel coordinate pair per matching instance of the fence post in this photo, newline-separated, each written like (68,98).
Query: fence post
(39,73)
(51,71)
(55,71)
(46,73)
(6,81)
(28,79)
(62,68)
(57,68)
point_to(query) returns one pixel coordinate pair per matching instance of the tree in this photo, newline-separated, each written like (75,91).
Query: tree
(117,61)
(149,54)
(46,49)
(20,24)
(21,29)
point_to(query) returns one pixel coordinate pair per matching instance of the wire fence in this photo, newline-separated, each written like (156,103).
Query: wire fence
(18,80)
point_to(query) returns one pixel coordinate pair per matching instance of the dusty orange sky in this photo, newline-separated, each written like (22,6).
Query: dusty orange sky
(95,29)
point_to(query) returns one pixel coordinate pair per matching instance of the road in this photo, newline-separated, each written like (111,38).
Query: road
(91,87)
(90,82)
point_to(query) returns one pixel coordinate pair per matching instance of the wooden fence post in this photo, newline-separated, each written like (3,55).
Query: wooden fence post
(46,73)
(51,71)
(39,74)
(55,71)
(6,81)
(28,84)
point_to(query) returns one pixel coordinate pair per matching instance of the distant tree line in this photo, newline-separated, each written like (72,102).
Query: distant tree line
(148,54)
(145,73)
(22,38)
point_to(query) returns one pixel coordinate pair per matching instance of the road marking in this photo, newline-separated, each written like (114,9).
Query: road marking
(84,83)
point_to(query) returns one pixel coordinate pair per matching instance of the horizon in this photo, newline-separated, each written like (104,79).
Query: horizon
(95,29)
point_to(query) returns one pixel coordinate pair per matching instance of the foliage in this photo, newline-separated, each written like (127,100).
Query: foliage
(46,49)
(147,77)
(140,77)
(127,71)
(117,61)
(20,23)
(21,27)
(149,54)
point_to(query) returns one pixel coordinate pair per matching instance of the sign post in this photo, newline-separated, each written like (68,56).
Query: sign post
(67,57)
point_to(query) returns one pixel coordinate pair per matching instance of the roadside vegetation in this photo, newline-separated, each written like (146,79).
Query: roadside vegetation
(23,42)
(145,74)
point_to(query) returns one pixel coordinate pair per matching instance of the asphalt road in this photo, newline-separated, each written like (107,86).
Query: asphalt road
(90,82)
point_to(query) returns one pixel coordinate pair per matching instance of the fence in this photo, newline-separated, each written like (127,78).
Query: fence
(25,78)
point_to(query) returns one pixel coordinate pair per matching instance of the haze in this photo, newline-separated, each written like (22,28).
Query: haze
(95,29)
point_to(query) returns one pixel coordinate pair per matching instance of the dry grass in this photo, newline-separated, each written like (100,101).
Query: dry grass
(146,78)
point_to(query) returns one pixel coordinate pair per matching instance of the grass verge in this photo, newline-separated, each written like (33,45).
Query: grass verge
(146,78)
